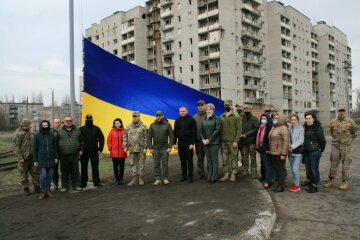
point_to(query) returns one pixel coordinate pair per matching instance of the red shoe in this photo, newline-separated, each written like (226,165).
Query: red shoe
(295,188)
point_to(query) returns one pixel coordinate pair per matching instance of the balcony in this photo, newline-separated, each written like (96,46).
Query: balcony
(167,27)
(332,80)
(287,26)
(287,84)
(249,21)
(210,85)
(286,37)
(212,70)
(164,3)
(333,90)
(251,34)
(203,43)
(255,74)
(287,49)
(167,52)
(202,3)
(211,27)
(286,60)
(208,14)
(214,55)
(150,44)
(249,8)
(166,14)
(129,40)
(252,61)
(315,69)
(167,64)
(253,49)
(286,71)
(128,29)
(250,100)
(287,95)
(203,58)
(315,59)
(167,39)
(254,87)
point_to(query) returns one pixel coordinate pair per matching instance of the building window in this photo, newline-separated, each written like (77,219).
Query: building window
(115,41)
(191,55)
(115,51)
(189,2)
(192,81)
(180,57)
(192,68)
(168,72)
(179,18)
(179,44)
(190,40)
(180,69)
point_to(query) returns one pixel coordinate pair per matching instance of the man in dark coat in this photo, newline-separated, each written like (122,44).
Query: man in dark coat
(93,146)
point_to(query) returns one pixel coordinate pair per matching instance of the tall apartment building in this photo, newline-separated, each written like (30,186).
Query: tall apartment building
(334,70)
(309,66)
(290,59)
(249,51)
(122,34)
(211,45)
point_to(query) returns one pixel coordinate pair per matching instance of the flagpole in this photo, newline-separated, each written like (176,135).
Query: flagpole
(72,77)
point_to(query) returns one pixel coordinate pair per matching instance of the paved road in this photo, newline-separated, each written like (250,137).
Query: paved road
(329,214)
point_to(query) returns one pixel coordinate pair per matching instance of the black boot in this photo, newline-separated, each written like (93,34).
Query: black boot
(27,191)
(313,190)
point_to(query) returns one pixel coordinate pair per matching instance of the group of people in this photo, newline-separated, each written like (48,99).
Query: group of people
(205,133)
(39,155)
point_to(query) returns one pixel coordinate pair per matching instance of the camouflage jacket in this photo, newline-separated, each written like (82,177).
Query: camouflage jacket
(23,141)
(343,132)
(135,137)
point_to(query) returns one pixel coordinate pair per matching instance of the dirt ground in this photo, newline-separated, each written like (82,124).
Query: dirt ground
(178,211)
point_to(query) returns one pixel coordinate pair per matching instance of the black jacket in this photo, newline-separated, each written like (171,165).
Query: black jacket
(249,128)
(93,138)
(44,148)
(161,135)
(314,139)
(185,131)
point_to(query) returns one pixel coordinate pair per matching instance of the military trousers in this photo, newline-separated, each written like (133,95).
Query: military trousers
(137,163)
(343,155)
(229,157)
(27,168)
(161,159)
(249,149)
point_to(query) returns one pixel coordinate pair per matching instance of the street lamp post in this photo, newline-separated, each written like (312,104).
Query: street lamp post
(72,77)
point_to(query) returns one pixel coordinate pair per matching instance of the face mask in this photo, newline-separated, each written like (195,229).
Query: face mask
(227,109)
(247,113)
(275,121)
(46,129)
(263,121)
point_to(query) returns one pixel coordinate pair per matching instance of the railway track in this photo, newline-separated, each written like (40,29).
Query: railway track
(7,165)
(6,154)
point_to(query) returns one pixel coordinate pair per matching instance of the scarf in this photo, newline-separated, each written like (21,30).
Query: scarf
(260,136)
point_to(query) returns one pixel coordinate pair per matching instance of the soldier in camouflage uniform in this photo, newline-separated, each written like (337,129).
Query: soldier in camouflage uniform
(231,130)
(23,151)
(135,141)
(343,131)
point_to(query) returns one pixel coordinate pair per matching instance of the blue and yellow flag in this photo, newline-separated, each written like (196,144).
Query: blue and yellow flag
(113,88)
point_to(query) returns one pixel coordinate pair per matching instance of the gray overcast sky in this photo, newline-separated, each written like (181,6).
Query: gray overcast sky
(34,53)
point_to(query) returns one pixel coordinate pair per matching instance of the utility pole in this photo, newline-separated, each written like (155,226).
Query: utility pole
(52,105)
(346,68)
(71,42)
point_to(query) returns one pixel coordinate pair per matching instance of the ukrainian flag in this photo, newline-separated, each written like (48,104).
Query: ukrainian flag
(113,88)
